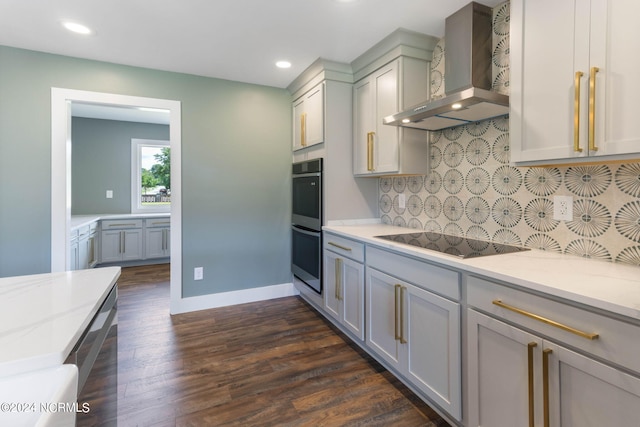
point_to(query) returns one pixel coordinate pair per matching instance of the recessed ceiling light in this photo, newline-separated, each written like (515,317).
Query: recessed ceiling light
(283,64)
(77,28)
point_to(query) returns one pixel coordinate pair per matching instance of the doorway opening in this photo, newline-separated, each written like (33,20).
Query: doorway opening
(62,101)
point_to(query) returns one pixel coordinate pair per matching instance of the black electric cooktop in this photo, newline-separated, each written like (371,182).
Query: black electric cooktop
(460,247)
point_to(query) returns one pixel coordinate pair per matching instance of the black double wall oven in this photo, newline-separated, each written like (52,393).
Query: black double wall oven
(306,223)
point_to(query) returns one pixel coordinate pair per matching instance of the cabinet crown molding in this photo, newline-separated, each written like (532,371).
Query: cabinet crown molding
(321,69)
(400,42)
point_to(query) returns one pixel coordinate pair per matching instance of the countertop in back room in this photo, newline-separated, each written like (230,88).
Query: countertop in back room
(78,221)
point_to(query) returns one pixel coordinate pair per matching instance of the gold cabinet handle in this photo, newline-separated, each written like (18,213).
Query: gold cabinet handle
(530,348)
(403,339)
(545,385)
(303,129)
(592,109)
(370,136)
(122,225)
(587,335)
(576,113)
(338,287)
(396,311)
(344,248)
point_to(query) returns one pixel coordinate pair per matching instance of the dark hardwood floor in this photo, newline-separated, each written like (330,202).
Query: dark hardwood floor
(268,363)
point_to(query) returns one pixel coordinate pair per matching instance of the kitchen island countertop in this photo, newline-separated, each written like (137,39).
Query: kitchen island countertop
(42,316)
(609,286)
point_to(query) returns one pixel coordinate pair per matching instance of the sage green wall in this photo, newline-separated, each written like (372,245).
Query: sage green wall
(236,160)
(101,160)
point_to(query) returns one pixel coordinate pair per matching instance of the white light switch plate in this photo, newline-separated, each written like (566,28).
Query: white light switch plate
(109,194)
(198,273)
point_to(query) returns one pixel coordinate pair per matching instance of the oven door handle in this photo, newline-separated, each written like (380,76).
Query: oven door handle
(307,232)
(305,175)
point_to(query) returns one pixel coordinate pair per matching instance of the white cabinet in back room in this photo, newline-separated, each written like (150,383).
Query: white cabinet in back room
(83,247)
(574,85)
(121,240)
(157,239)
(74,249)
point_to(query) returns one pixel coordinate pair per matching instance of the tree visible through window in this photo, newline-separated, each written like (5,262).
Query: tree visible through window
(151,176)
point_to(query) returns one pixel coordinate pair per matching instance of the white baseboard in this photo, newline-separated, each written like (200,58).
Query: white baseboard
(224,299)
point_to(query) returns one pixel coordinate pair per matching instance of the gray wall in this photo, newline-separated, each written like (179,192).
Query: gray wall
(236,157)
(101,160)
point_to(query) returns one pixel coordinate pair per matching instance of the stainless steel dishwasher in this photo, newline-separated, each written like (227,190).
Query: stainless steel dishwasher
(96,356)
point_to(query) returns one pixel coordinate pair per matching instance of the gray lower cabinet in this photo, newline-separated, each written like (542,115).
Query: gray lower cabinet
(121,240)
(343,289)
(406,311)
(579,369)
(415,331)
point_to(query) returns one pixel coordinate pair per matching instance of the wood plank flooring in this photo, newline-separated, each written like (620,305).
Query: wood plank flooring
(268,363)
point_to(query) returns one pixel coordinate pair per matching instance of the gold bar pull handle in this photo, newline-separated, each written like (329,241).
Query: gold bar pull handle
(403,339)
(530,348)
(370,136)
(303,130)
(576,114)
(396,310)
(592,109)
(545,385)
(587,335)
(344,248)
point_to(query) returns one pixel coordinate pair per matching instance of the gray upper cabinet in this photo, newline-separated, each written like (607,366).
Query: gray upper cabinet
(574,85)
(390,77)
(308,118)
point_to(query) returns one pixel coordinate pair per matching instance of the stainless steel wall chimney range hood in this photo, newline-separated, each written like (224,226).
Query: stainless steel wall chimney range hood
(468,95)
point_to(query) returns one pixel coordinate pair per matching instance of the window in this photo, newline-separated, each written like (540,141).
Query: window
(150,176)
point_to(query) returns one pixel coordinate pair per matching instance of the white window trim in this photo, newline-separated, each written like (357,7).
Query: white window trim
(136,200)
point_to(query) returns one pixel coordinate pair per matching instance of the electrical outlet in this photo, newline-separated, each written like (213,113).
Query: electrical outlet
(198,273)
(402,201)
(563,208)
(109,194)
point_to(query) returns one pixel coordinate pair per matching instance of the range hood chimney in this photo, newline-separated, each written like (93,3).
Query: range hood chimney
(468,95)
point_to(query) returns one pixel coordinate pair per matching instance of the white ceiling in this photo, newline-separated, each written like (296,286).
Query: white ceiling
(229,39)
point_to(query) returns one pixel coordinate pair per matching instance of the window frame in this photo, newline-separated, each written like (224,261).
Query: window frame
(136,175)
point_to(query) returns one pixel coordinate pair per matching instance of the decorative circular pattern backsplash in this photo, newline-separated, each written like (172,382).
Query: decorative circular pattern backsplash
(473,191)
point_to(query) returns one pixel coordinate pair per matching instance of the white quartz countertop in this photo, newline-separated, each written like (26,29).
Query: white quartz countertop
(42,316)
(609,286)
(78,221)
